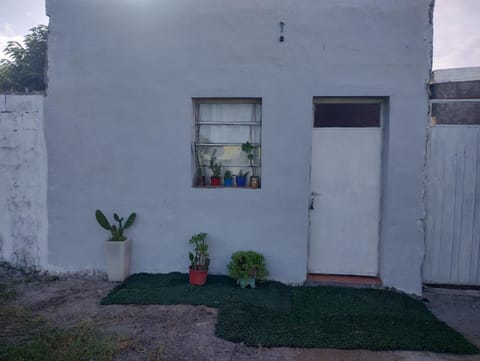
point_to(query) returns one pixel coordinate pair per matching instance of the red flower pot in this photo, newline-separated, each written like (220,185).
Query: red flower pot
(215,181)
(197,278)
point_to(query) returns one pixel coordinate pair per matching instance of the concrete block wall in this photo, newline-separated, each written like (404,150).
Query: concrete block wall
(23,181)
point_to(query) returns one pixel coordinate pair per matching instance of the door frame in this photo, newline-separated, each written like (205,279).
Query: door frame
(384,129)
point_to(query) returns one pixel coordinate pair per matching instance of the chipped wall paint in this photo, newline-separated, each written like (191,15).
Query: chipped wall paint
(23,181)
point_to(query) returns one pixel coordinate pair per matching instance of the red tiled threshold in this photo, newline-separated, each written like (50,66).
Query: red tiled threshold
(341,280)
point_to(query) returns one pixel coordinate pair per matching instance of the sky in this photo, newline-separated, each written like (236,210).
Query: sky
(456,39)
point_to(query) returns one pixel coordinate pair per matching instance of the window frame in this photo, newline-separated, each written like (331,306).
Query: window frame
(196,102)
(351,100)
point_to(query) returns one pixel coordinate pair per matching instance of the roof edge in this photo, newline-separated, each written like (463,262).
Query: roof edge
(455,74)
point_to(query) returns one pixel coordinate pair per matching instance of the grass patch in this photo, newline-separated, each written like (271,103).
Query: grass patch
(325,317)
(18,324)
(82,342)
(26,337)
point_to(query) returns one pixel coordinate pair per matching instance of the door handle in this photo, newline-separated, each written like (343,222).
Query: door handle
(311,205)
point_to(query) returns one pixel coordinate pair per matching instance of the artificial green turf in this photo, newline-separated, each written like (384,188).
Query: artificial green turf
(173,288)
(325,317)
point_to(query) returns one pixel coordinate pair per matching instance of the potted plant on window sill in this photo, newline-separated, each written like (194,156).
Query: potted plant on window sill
(200,178)
(247,147)
(199,259)
(118,247)
(241,179)
(228,179)
(200,181)
(216,168)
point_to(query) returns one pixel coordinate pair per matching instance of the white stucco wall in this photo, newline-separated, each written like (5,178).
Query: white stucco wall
(122,75)
(23,182)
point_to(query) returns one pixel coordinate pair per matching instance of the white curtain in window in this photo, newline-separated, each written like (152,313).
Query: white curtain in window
(230,113)
(228,133)
(228,124)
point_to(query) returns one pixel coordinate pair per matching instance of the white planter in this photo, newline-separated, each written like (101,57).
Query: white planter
(118,260)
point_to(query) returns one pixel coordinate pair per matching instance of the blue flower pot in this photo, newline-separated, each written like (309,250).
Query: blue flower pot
(228,182)
(241,181)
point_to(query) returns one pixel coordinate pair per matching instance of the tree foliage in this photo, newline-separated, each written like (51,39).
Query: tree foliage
(24,68)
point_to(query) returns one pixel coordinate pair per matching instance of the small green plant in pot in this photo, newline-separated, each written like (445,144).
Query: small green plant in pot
(241,179)
(248,148)
(200,181)
(118,246)
(216,169)
(247,267)
(228,179)
(199,259)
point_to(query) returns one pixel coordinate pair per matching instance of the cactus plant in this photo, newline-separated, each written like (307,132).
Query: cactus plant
(117,231)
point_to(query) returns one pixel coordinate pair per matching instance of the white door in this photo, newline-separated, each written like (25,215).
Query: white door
(345,187)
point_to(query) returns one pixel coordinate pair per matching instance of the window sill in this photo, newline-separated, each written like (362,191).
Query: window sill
(223,187)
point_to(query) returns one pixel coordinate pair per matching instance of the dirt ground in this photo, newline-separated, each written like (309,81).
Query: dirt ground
(185,332)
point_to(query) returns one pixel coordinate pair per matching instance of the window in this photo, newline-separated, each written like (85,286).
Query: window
(221,127)
(347,114)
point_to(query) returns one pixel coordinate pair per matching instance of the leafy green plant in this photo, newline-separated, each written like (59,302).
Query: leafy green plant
(214,166)
(247,267)
(248,148)
(117,231)
(241,174)
(227,175)
(23,67)
(199,258)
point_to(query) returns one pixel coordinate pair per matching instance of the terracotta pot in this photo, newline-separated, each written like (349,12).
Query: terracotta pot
(197,278)
(215,181)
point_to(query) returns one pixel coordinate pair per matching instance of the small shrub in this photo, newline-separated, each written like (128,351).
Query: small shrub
(247,267)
